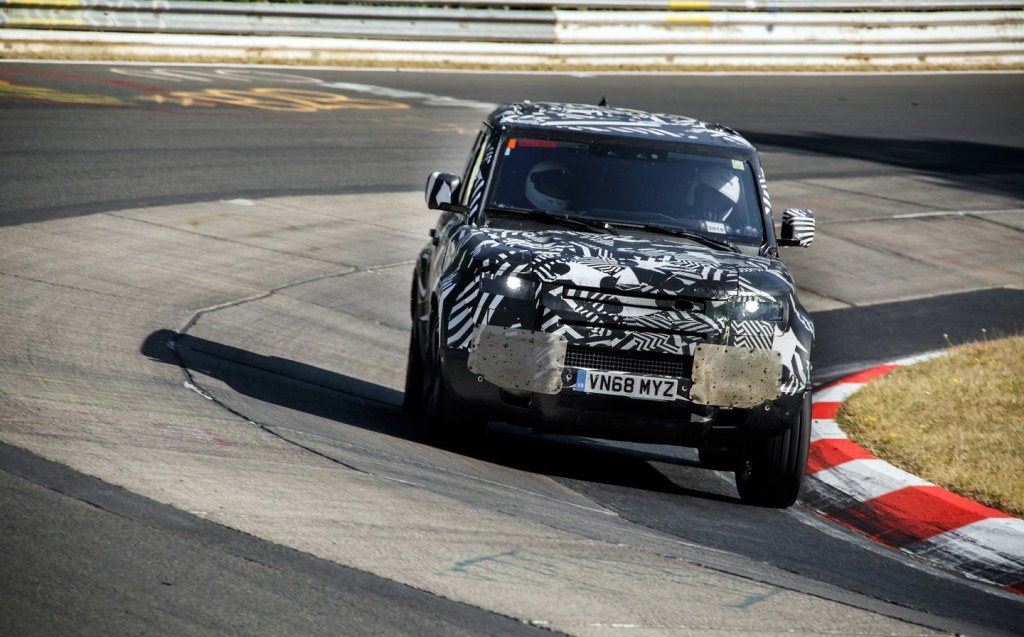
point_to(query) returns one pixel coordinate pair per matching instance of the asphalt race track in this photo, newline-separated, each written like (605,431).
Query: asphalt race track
(204,281)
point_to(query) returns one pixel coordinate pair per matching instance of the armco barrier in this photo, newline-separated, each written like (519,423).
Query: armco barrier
(748,33)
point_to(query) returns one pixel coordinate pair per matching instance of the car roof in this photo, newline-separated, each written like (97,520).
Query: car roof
(606,121)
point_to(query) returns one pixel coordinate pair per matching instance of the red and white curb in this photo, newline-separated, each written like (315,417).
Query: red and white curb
(849,485)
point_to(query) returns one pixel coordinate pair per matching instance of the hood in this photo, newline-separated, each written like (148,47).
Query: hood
(640,264)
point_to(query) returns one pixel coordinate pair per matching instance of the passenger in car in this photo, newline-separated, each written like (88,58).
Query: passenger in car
(715,195)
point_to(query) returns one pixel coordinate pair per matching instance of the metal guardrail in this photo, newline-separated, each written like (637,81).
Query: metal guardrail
(504,32)
(321,7)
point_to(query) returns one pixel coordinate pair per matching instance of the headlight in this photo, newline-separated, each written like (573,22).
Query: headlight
(510,285)
(748,309)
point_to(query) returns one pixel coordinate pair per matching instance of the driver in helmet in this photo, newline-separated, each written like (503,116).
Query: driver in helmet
(714,194)
(547,186)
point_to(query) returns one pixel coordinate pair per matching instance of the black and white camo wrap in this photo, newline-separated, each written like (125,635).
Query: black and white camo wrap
(624,122)
(638,293)
(798,226)
(625,293)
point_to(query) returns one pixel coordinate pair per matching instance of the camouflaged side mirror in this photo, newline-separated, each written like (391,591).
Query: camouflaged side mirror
(442,191)
(797,227)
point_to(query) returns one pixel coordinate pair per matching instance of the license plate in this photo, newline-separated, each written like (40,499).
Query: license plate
(631,385)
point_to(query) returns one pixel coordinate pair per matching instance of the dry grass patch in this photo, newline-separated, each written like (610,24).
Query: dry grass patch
(956,420)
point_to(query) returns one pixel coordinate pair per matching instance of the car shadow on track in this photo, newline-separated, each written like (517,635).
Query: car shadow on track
(976,166)
(354,402)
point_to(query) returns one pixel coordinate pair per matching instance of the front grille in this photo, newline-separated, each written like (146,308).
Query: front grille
(614,309)
(622,298)
(632,362)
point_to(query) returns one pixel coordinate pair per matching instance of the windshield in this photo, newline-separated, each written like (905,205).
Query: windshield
(632,184)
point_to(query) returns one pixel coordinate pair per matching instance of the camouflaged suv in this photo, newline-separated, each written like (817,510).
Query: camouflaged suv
(613,273)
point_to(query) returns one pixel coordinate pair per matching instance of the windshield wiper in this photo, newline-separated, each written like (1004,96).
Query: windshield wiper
(564,220)
(689,234)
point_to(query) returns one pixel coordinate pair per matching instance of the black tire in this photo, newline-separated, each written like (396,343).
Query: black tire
(436,414)
(412,402)
(442,421)
(773,471)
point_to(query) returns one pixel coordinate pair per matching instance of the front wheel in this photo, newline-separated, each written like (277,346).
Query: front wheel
(442,420)
(412,402)
(773,471)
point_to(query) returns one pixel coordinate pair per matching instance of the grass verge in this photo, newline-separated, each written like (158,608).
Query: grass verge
(955,420)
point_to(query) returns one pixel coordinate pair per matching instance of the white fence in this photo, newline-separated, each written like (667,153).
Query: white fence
(511,33)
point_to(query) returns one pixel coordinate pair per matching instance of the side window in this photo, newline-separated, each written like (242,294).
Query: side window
(472,174)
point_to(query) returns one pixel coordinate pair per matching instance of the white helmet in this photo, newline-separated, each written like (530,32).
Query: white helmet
(714,193)
(547,186)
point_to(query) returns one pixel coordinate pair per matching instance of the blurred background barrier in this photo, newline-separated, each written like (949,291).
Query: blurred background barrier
(523,33)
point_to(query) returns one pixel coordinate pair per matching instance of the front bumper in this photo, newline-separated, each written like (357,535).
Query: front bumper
(725,395)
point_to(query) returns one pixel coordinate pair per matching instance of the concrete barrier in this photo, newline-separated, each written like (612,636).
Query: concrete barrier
(512,33)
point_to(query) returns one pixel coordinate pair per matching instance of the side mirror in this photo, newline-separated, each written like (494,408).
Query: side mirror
(442,191)
(797,227)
